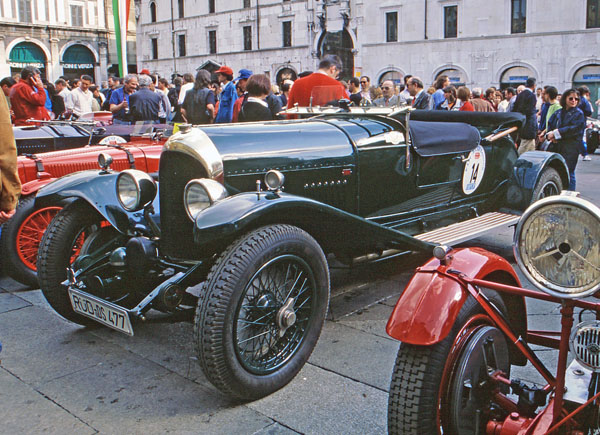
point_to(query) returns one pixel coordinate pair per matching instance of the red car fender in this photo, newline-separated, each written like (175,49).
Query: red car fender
(35,185)
(430,303)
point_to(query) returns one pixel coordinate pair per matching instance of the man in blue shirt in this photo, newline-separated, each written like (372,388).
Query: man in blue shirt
(119,100)
(228,95)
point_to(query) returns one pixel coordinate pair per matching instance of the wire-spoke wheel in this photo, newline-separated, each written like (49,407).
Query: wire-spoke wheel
(274,313)
(21,237)
(261,311)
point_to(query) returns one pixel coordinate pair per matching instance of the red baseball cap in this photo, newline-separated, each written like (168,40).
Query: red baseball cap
(145,71)
(225,70)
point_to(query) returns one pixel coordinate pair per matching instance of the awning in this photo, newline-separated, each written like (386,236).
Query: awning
(78,57)
(27,54)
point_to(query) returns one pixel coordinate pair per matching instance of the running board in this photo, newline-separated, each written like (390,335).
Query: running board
(466,230)
(450,235)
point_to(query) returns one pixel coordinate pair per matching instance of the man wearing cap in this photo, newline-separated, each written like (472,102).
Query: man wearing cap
(228,95)
(28,98)
(320,87)
(144,104)
(241,82)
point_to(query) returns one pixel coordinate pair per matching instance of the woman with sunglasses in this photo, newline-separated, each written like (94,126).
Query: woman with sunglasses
(565,131)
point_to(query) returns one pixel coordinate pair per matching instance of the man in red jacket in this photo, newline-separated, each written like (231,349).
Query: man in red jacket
(320,87)
(27,97)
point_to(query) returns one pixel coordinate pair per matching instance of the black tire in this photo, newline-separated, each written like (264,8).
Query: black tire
(417,382)
(20,240)
(55,254)
(236,304)
(549,184)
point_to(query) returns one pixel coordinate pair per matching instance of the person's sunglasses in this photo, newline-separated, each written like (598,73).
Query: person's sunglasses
(363,82)
(385,88)
(573,99)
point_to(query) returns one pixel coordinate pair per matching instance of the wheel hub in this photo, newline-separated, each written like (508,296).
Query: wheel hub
(286,316)
(265,301)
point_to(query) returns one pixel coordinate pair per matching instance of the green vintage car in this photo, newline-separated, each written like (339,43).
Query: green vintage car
(240,223)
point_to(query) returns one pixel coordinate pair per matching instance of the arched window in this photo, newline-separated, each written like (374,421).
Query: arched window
(515,76)
(153,12)
(457,77)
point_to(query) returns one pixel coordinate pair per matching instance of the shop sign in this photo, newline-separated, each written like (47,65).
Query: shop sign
(78,65)
(24,64)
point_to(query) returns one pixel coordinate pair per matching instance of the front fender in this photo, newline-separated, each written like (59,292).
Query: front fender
(97,188)
(527,171)
(329,225)
(34,185)
(430,303)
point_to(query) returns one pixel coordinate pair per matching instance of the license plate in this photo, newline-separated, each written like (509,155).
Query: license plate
(101,311)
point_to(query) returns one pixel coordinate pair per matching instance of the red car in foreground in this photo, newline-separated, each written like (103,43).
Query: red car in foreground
(21,235)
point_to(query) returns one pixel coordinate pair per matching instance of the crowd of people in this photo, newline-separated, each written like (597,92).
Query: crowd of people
(553,121)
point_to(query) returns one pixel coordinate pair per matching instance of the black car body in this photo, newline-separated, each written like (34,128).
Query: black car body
(246,213)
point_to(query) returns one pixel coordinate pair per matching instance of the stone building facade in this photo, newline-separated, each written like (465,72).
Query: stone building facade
(61,37)
(475,42)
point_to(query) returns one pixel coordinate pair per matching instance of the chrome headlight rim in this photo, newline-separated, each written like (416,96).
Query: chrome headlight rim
(213,190)
(523,261)
(145,189)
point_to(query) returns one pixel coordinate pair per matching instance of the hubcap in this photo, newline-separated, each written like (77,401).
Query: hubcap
(274,314)
(286,316)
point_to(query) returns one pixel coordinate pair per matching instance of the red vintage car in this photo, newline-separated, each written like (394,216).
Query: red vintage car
(21,235)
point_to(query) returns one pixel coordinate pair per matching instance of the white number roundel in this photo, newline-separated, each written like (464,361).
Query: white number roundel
(474,170)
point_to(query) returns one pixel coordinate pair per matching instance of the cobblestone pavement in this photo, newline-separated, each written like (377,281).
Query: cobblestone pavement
(57,377)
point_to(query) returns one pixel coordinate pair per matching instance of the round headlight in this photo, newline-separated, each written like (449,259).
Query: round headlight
(104,160)
(135,189)
(200,194)
(557,246)
(274,179)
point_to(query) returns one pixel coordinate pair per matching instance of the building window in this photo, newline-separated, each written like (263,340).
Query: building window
(212,41)
(450,21)
(247,38)
(211,6)
(593,14)
(246,3)
(76,16)
(518,14)
(181,44)
(181,9)
(391,26)
(153,12)
(154,45)
(287,33)
(25,11)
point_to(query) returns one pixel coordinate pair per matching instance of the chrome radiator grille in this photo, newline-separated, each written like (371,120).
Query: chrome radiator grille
(585,344)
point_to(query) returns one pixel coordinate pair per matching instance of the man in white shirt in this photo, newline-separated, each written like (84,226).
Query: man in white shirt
(82,96)
(63,90)
(189,84)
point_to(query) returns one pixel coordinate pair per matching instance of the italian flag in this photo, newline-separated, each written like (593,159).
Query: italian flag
(121,15)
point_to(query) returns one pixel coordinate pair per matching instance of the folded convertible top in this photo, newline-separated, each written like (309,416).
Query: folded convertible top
(439,138)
